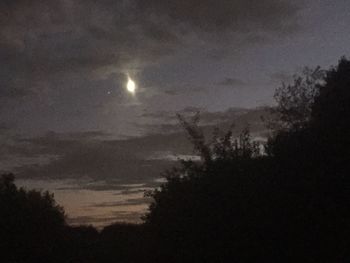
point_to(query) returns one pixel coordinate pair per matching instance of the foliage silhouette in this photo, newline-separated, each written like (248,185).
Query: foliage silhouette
(295,101)
(31,224)
(289,204)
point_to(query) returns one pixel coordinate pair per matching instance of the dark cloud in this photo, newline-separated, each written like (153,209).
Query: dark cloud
(86,155)
(121,186)
(104,220)
(64,63)
(43,39)
(232,82)
(237,116)
(237,16)
(127,202)
(90,220)
(281,76)
(96,161)
(95,155)
(191,109)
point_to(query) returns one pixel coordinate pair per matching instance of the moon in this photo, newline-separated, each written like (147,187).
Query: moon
(130,86)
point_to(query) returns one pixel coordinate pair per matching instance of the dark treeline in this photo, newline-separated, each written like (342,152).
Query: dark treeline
(288,202)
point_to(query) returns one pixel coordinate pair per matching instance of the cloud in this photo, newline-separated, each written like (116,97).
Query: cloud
(232,82)
(46,42)
(281,76)
(237,116)
(96,155)
(95,162)
(81,155)
(127,202)
(107,219)
(236,16)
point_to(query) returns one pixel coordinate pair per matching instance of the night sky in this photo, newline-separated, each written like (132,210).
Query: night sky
(68,122)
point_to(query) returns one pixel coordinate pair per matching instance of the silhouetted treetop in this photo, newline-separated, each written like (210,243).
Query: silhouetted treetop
(295,101)
(318,123)
(31,223)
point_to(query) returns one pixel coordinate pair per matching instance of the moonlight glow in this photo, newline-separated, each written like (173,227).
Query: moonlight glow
(131,87)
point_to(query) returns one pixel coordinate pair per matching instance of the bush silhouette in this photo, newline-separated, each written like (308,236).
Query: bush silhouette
(203,213)
(31,224)
(289,204)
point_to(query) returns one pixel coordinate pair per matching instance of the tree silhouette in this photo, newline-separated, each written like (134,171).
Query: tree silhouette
(31,224)
(295,101)
(323,138)
(192,216)
(290,204)
(315,159)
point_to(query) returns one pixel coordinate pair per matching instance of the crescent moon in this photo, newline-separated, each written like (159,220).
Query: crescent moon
(131,86)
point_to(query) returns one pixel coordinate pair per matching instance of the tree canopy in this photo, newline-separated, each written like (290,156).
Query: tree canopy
(290,203)
(31,223)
